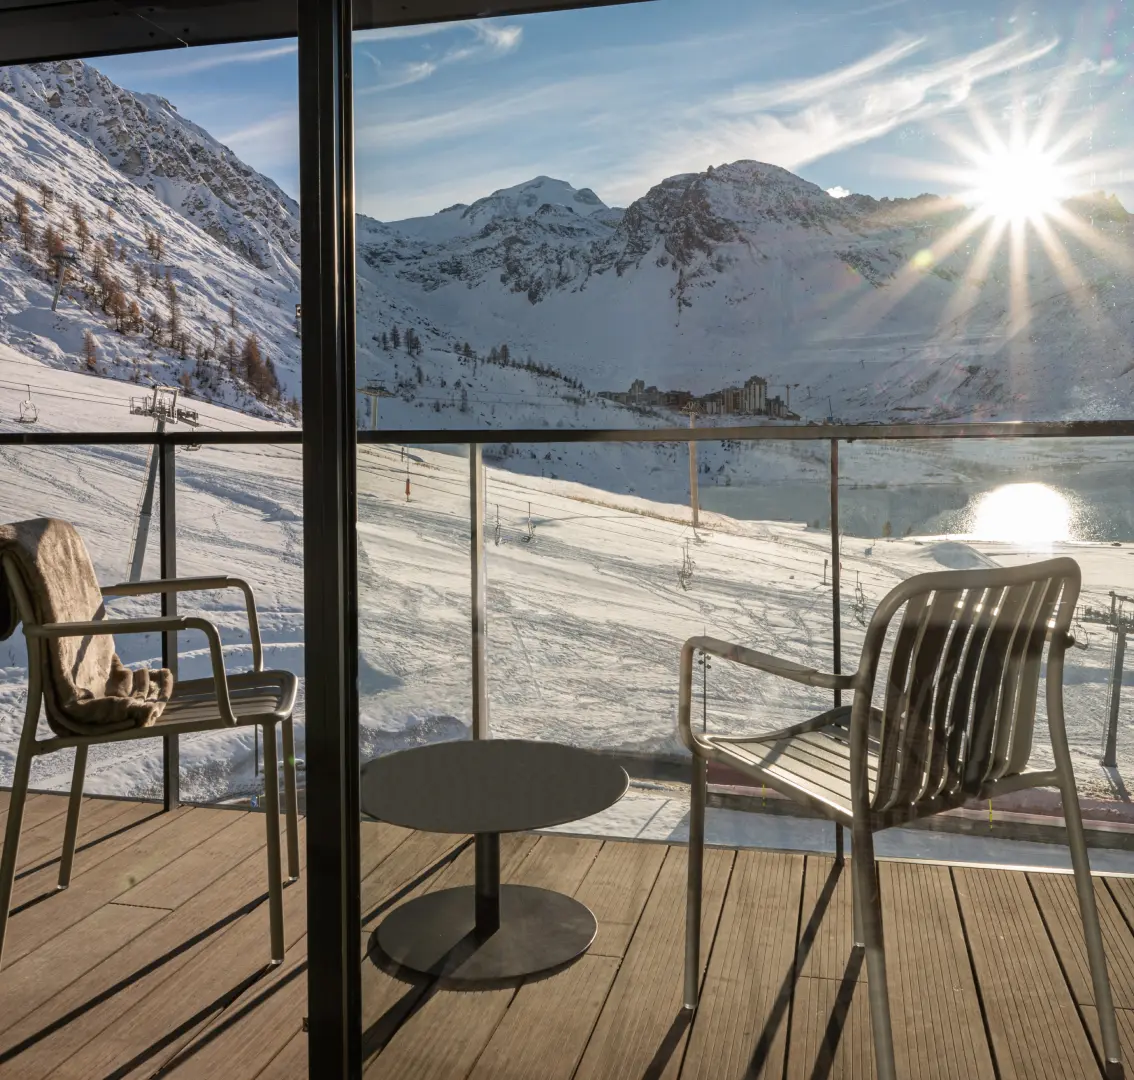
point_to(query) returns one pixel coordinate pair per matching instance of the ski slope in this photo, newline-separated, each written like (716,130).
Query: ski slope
(585,618)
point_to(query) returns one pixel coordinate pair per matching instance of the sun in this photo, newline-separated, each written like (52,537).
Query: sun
(1017,183)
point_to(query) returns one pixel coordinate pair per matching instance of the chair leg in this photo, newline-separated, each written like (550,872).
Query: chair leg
(272,824)
(839,857)
(697,795)
(1092,931)
(12,837)
(291,801)
(868,908)
(74,805)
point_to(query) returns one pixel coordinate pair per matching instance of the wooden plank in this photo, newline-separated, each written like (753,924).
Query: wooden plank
(290,1063)
(41,881)
(741,1024)
(1059,904)
(642,1029)
(181,880)
(830,1031)
(164,1021)
(616,889)
(31,927)
(45,841)
(1035,1028)
(242,1041)
(938,1029)
(826,926)
(40,808)
(40,975)
(1125,1018)
(111,994)
(420,855)
(545,1031)
(448,1029)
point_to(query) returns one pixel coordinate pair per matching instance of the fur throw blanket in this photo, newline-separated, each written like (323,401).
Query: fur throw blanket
(87,689)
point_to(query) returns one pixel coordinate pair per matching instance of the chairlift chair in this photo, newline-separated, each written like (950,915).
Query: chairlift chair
(29,414)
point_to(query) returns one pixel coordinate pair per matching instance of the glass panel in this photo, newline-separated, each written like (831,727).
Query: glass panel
(415,629)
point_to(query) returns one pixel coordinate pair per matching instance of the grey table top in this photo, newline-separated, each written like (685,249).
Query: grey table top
(490,785)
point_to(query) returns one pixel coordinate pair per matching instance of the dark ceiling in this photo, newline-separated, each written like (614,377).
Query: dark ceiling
(62,29)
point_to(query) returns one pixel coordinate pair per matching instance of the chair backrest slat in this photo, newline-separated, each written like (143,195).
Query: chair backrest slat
(960,708)
(1010,693)
(962,682)
(897,685)
(959,632)
(990,683)
(1024,721)
(921,722)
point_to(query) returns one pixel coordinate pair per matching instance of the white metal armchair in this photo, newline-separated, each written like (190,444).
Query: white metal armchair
(956,723)
(220,702)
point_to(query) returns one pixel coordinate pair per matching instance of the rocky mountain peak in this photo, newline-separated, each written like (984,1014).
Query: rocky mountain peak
(145,138)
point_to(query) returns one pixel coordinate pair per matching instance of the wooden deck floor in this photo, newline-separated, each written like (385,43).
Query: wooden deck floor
(153,963)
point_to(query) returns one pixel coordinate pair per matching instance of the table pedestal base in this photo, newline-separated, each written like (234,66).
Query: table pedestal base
(436,934)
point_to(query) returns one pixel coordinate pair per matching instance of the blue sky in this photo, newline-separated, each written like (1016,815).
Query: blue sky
(867,96)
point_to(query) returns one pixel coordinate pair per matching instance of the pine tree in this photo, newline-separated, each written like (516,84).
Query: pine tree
(46,195)
(90,349)
(82,229)
(504,355)
(396,337)
(24,224)
(385,341)
(232,316)
(887,530)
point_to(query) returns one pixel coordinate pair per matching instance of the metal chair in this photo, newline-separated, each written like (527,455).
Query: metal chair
(223,701)
(958,710)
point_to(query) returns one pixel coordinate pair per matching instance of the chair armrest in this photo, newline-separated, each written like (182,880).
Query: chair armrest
(200,584)
(738,654)
(159,625)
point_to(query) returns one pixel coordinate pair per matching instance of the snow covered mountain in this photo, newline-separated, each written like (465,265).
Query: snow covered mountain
(145,138)
(890,308)
(517,308)
(180,255)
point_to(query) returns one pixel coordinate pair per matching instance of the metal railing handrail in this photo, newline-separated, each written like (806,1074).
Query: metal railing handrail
(1006,429)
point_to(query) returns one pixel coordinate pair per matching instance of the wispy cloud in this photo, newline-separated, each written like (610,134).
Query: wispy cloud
(174,65)
(481,40)
(797,122)
(400,33)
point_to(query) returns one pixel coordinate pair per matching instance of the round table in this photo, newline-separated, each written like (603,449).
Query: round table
(488,931)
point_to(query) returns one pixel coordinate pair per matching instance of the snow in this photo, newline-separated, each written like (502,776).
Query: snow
(585,620)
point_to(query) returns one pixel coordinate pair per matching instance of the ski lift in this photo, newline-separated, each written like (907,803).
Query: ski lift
(29,414)
(1080,637)
(529,536)
(859,600)
(685,574)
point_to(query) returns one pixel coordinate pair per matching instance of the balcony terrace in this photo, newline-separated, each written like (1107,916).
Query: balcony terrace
(154,963)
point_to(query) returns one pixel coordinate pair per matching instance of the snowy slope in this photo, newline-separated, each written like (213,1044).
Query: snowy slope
(65,177)
(585,618)
(146,139)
